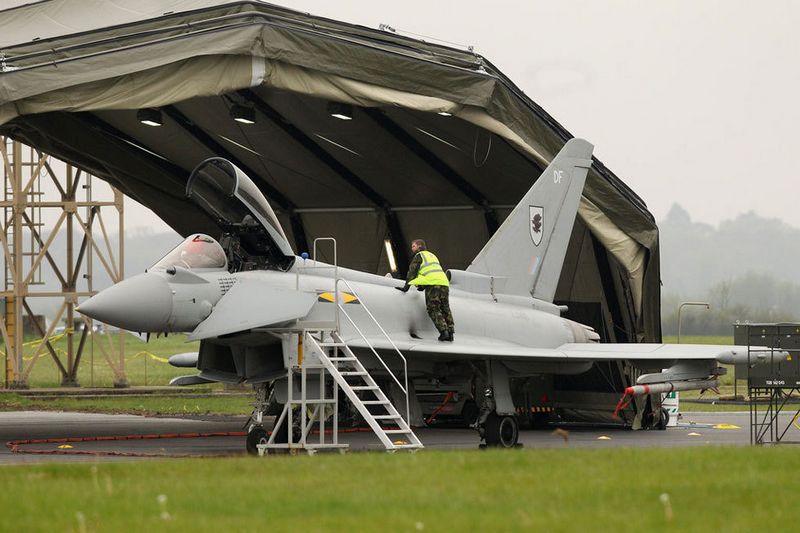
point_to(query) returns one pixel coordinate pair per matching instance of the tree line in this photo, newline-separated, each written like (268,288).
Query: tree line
(746,268)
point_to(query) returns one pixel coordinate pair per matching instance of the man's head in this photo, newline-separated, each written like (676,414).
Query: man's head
(417,245)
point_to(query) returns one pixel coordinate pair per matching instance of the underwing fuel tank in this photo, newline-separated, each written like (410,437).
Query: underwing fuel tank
(176,294)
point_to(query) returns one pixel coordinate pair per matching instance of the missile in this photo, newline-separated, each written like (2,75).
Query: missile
(663,388)
(671,386)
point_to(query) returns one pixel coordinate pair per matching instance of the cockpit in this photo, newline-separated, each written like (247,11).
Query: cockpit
(252,238)
(196,252)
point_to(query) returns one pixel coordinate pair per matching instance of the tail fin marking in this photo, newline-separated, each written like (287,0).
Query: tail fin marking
(528,250)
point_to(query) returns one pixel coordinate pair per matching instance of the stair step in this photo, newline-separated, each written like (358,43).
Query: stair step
(394,446)
(385,417)
(387,431)
(364,387)
(331,344)
(353,373)
(375,402)
(341,358)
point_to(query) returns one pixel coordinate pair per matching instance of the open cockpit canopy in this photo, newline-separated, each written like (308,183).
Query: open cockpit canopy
(226,194)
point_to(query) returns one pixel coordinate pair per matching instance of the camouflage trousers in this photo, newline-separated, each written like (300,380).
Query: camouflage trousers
(437,301)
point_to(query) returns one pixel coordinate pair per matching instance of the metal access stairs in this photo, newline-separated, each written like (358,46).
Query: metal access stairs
(363,392)
(316,354)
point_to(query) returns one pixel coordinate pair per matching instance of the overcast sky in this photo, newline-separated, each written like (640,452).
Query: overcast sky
(688,101)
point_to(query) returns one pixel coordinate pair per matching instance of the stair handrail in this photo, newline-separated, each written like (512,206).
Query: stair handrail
(335,272)
(369,344)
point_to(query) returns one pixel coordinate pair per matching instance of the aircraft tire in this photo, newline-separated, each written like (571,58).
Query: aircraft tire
(470,412)
(664,420)
(257,435)
(501,431)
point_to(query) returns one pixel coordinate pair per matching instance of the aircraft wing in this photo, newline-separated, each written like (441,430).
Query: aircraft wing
(467,347)
(668,352)
(251,304)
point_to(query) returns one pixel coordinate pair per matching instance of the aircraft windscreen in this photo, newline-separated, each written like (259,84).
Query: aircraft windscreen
(197,251)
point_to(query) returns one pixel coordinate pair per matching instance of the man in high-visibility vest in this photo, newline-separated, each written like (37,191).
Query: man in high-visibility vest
(427,274)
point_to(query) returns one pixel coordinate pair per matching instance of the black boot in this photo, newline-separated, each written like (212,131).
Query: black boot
(450,334)
(444,335)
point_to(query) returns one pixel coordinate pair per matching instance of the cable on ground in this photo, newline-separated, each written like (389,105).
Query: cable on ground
(14,445)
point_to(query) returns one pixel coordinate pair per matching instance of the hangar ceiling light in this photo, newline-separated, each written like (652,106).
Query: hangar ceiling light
(150,117)
(431,135)
(243,114)
(240,145)
(390,255)
(340,111)
(343,147)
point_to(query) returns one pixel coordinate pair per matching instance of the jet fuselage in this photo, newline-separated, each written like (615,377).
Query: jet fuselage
(178,300)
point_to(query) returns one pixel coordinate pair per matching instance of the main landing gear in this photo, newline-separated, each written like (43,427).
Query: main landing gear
(496,430)
(501,431)
(657,420)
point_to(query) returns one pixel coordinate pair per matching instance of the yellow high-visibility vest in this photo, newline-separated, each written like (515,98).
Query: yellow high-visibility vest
(430,271)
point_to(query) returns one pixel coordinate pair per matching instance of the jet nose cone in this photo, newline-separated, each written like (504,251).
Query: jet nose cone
(141,303)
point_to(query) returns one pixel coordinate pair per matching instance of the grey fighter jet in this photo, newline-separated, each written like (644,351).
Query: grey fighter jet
(243,297)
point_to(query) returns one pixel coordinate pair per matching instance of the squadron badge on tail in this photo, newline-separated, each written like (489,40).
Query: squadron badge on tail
(537,221)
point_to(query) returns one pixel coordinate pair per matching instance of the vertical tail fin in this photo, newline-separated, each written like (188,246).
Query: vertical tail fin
(528,249)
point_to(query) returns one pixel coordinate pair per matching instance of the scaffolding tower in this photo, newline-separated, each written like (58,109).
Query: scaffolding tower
(40,205)
(772,385)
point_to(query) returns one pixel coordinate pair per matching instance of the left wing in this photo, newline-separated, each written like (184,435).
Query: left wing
(475,347)
(672,366)
(467,347)
(668,352)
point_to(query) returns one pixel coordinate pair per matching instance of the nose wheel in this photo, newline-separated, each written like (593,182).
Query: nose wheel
(257,435)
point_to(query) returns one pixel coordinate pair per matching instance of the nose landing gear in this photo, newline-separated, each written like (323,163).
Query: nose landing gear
(257,435)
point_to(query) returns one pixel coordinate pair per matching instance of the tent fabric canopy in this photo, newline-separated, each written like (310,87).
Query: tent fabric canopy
(73,73)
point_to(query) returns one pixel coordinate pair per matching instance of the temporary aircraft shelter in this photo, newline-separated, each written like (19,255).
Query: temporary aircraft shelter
(440,145)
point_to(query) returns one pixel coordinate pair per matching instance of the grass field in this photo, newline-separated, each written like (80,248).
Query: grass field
(145,362)
(700,489)
(154,404)
(699,339)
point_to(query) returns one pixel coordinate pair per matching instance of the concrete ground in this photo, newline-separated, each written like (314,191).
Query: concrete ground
(694,429)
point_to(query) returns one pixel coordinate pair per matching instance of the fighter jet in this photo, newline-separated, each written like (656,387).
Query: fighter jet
(246,296)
